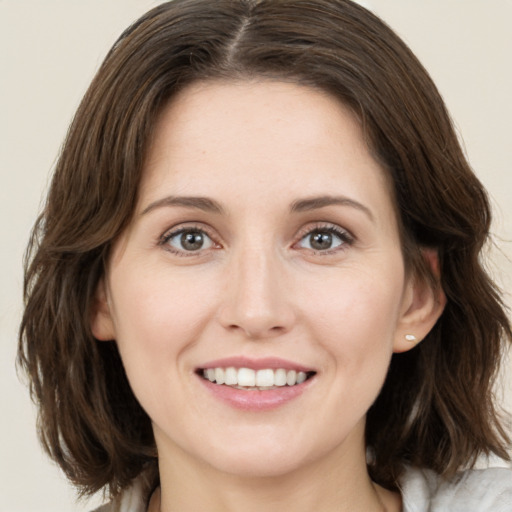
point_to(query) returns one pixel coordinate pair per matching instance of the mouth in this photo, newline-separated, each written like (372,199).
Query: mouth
(248,379)
(256,384)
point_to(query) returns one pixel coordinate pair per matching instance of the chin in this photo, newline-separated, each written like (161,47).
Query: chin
(262,466)
(265,458)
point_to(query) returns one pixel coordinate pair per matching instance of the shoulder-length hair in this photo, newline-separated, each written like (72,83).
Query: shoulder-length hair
(435,409)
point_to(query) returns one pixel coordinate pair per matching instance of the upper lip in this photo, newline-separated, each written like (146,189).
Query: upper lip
(273,363)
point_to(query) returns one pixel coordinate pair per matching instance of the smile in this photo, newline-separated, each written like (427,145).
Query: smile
(251,380)
(255,384)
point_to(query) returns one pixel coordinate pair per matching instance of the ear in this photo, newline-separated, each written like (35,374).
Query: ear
(102,326)
(424,302)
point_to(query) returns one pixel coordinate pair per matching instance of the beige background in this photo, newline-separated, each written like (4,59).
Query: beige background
(49,52)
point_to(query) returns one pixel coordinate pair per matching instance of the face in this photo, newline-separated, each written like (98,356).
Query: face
(265,254)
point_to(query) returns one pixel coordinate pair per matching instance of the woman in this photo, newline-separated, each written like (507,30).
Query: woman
(256,281)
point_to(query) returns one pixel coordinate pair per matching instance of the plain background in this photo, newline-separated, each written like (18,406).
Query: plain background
(50,50)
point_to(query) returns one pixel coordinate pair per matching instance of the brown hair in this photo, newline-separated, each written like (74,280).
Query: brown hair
(435,409)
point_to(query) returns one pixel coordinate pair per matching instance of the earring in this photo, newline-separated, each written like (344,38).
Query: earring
(411,338)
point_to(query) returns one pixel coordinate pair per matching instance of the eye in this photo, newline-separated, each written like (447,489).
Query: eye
(187,240)
(325,239)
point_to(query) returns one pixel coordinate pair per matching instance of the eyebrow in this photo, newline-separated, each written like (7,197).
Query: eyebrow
(201,203)
(314,203)
(303,205)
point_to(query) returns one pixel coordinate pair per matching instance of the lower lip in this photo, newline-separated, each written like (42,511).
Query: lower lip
(256,400)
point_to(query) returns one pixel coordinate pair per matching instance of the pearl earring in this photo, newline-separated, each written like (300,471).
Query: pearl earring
(411,338)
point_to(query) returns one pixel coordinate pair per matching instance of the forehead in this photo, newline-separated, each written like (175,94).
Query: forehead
(259,135)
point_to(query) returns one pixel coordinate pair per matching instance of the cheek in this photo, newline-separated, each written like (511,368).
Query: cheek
(156,319)
(357,305)
(356,331)
(355,318)
(158,299)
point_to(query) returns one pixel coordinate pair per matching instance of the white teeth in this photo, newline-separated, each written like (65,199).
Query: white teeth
(291,377)
(219,375)
(246,378)
(230,376)
(280,377)
(265,378)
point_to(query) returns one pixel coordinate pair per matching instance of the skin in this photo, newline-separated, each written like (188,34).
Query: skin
(257,288)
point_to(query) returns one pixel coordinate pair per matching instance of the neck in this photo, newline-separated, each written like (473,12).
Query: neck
(333,484)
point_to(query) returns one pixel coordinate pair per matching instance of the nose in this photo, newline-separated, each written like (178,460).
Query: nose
(256,300)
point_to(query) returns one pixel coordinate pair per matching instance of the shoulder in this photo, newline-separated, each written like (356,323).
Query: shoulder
(477,490)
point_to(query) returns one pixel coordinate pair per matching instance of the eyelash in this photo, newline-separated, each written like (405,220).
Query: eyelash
(168,235)
(346,239)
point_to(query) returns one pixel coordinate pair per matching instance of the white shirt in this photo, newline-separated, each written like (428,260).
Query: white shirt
(477,490)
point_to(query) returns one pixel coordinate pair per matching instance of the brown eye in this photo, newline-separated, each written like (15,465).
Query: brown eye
(189,240)
(320,241)
(325,239)
(192,241)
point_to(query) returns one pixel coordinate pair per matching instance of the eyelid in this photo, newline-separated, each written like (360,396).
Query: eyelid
(344,234)
(178,229)
(328,226)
